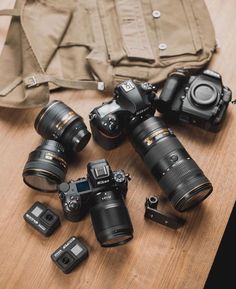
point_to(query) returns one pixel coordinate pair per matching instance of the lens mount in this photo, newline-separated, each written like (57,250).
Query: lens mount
(203,94)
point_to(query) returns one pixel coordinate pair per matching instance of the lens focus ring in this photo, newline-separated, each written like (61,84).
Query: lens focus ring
(59,122)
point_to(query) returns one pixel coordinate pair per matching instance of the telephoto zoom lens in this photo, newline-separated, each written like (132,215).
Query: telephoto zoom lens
(110,218)
(179,176)
(46,167)
(59,122)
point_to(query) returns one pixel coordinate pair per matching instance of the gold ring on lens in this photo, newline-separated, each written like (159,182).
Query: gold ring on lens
(44,112)
(150,139)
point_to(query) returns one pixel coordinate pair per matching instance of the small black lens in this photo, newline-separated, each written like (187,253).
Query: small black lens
(59,122)
(179,176)
(111,220)
(46,167)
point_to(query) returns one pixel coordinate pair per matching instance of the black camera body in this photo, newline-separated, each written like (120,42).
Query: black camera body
(76,196)
(102,194)
(131,112)
(201,100)
(110,121)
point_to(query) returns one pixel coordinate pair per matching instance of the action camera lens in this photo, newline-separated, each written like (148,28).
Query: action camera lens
(65,260)
(59,122)
(46,167)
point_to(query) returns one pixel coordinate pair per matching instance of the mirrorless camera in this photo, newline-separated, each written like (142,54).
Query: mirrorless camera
(201,99)
(102,193)
(131,112)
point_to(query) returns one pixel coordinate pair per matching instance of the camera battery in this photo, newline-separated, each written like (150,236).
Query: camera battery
(70,254)
(42,219)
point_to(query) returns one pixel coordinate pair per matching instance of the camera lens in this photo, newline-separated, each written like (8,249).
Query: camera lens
(46,167)
(110,218)
(59,122)
(179,176)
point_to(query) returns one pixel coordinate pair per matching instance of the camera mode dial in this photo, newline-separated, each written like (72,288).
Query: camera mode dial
(119,177)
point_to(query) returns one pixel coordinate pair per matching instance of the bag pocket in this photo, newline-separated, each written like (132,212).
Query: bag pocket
(69,61)
(177,30)
(125,30)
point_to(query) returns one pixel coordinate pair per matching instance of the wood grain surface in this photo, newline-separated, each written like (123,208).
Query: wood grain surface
(157,257)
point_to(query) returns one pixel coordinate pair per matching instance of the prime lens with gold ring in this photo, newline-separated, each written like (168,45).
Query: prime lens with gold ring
(46,167)
(59,122)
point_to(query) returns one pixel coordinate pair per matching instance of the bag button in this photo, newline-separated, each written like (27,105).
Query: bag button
(156,14)
(162,46)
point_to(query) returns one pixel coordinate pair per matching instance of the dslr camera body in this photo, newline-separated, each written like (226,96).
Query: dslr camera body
(131,112)
(102,193)
(132,101)
(201,100)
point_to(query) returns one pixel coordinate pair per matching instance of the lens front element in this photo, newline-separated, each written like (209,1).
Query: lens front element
(46,167)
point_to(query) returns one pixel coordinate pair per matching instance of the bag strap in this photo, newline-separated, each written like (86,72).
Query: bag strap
(10,12)
(11,86)
(37,79)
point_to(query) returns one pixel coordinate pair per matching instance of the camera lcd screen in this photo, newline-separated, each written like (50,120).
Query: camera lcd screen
(108,108)
(83,186)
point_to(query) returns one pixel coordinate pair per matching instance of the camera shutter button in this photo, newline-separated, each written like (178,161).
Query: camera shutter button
(112,123)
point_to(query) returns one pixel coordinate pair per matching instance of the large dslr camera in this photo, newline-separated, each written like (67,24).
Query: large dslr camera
(201,100)
(131,112)
(102,193)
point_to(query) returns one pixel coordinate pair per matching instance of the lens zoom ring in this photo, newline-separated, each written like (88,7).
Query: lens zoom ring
(178,174)
(158,151)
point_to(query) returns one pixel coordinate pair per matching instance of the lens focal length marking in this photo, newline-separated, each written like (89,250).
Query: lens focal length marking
(157,135)
(61,124)
(51,156)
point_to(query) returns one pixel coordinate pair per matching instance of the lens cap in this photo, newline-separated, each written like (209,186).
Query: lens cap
(204,94)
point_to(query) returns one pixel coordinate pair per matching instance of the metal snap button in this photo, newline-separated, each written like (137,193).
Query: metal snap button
(156,14)
(162,46)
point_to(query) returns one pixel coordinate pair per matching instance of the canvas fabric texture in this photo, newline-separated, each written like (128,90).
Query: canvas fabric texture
(95,44)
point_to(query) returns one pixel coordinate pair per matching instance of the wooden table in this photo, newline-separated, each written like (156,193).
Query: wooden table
(157,257)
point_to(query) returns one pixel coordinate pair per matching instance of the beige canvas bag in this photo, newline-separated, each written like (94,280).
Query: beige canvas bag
(94,44)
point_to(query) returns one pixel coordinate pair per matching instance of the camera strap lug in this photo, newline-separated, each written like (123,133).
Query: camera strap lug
(152,213)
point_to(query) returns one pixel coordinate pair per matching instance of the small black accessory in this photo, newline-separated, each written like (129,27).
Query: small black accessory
(131,112)
(59,122)
(70,254)
(46,167)
(199,99)
(42,218)
(102,193)
(152,213)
